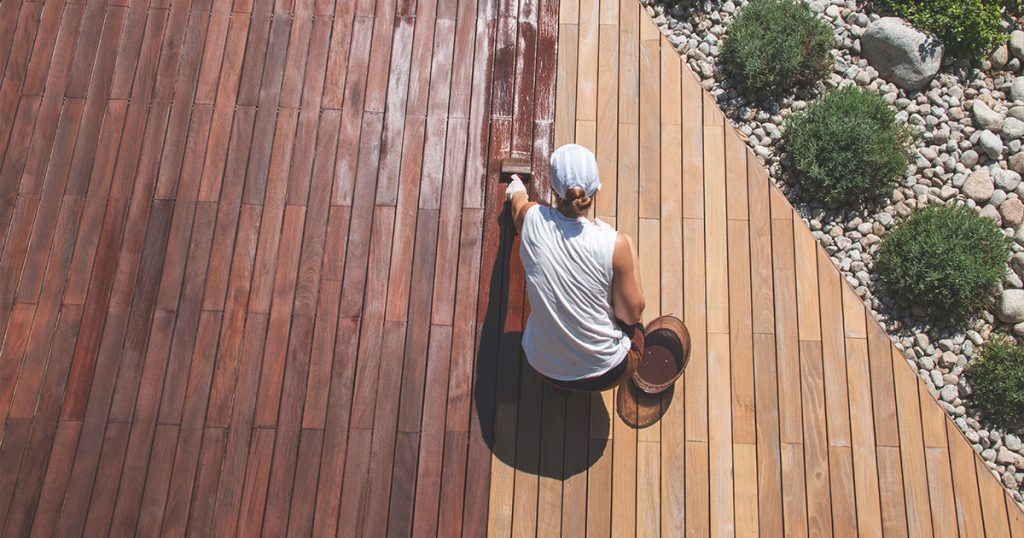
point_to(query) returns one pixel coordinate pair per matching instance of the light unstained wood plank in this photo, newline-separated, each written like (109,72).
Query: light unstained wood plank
(716,245)
(745,461)
(762,293)
(627,213)
(573,504)
(965,483)
(833,347)
(912,452)
(607,116)
(697,489)
(673,464)
(740,335)
(499,514)
(992,500)
(648,29)
(883,395)
(565,89)
(805,252)
(586,75)
(890,488)
(553,439)
(629,65)
(736,174)
(586,136)
(818,478)
(786,330)
(649,247)
(940,489)
(712,114)
(568,11)
(854,322)
(599,486)
(648,502)
(695,377)
(769,464)
(671,223)
(720,436)
(844,499)
(671,88)
(794,491)
(524,498)
(1016,515)
(624,477)
(693,147)
(933,419)
(650,123)
(865,468)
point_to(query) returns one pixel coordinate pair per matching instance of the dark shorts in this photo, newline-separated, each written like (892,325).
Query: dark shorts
(618,373)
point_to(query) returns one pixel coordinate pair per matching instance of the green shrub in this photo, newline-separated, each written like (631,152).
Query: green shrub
(947,259)
(967,27)
(847,147)
(774,46)
(997,380)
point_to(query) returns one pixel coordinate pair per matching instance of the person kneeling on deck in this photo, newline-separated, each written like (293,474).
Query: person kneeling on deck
(582,280)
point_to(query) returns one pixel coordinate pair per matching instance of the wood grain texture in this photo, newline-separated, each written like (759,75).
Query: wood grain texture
(257,277)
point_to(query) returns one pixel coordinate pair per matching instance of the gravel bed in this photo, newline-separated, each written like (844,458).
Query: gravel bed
(970,126)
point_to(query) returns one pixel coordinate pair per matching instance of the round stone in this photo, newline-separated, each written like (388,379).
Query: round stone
(985,117)
(1012,129)
(1011,306)
(979,186)
(1012,212)
(990,144)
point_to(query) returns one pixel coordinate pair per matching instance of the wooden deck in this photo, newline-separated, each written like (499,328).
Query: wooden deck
(256,278)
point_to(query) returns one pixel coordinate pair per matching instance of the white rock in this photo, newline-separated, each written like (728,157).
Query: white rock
(978,186)
(1012,129)
(1016,44)
(1011,306)
(1017,89)
(900,53)
(992,212)
(991,144)
(1012,211)
(985,117)
(1017,162)
(1007,180)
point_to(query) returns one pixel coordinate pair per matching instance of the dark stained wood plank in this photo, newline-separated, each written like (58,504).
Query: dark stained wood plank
(200,520)
(237,451)
(190,415)
(431,444)
(58,472)
(271,379)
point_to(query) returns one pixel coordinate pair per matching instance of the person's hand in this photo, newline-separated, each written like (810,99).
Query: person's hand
(514,186)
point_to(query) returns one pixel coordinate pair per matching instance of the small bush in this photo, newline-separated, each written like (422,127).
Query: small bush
(847,147)
(997,380)
(774,46)
(967,27)
(947,259)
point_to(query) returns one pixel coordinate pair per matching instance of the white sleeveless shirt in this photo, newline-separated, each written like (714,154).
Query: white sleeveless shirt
(571,332)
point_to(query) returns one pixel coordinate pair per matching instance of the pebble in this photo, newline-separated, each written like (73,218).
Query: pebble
(979,186)
(990,144)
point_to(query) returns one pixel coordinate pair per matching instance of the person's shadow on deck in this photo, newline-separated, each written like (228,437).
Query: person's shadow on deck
(525,422)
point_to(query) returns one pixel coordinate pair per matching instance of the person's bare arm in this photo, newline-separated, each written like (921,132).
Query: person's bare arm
(520,204)
(627,294)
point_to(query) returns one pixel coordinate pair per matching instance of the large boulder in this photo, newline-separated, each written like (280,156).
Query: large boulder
(900,53)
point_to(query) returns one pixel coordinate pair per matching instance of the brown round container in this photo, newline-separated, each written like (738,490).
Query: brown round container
(666,352)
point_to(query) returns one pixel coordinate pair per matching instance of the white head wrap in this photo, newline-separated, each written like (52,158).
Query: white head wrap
(573,165)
